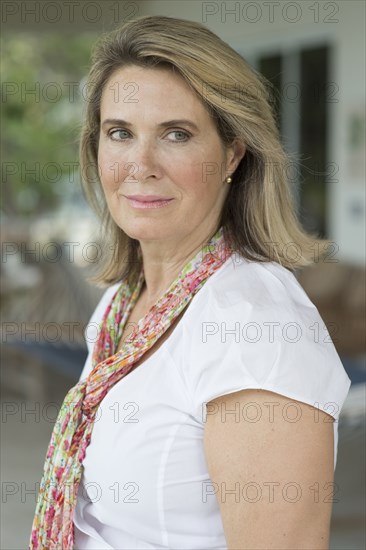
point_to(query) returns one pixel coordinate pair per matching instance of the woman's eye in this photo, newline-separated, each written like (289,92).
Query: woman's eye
(121,135)
(180,135)
(118,135)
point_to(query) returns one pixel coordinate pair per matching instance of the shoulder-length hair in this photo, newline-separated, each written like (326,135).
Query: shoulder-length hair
(259,216)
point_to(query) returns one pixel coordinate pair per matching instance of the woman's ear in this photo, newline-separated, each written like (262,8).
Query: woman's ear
(235,153)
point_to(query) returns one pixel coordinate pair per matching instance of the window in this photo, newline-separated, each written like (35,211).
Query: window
(302,91)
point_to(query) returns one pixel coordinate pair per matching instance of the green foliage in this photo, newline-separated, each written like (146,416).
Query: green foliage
(42,109)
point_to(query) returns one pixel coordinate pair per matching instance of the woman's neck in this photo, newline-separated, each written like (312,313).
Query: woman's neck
(163,261)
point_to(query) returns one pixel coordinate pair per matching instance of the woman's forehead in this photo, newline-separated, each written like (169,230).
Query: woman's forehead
(133,89)
(145,80)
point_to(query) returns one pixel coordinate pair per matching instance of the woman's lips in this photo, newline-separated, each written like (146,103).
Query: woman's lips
(147,198)
(147,201)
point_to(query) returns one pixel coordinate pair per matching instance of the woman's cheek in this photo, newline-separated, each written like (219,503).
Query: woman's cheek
(192,175)
(101,167)
(108,172)
(100,171)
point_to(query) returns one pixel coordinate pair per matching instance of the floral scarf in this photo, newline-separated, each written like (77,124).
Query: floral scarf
(53,526)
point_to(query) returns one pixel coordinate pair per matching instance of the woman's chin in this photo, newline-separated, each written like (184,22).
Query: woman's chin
(151,232)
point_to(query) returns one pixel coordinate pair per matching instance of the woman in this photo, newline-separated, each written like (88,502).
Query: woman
(206,414)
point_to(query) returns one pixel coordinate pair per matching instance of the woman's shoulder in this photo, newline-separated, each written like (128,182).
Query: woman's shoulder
(255,327)
(266,285)
(93,326)
(104,301)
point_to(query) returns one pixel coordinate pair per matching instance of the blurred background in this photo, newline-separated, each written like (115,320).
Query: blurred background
(313,53)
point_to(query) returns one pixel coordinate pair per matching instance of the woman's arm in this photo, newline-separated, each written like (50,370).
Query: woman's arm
(270,459)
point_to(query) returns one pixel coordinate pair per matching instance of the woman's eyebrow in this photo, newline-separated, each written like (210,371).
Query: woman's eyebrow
(116,122)
(176,122)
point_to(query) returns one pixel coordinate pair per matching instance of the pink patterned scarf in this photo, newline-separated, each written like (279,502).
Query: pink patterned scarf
(53,526)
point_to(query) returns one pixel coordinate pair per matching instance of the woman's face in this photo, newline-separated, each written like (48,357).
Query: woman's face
(159,145)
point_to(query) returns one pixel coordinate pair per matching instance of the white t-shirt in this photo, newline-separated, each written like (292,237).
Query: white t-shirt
(145,482)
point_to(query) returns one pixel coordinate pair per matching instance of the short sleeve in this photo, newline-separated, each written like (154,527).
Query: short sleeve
(255,327)
(92,329)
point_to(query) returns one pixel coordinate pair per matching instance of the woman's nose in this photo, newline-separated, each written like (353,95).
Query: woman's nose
(144,161)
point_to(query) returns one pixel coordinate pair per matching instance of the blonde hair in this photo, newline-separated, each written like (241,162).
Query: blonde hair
(258,217)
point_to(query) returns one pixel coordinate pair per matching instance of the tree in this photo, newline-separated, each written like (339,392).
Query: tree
(42,108)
